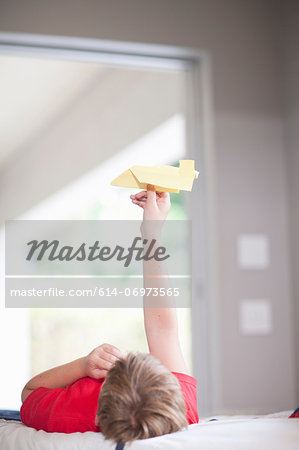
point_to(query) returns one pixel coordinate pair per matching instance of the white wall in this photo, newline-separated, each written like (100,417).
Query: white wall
(120,94)
(243,38)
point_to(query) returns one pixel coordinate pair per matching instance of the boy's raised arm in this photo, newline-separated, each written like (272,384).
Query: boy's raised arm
(160,316)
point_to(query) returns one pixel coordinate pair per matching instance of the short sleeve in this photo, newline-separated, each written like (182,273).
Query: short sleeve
(63,410)
(37,407)
(189,389)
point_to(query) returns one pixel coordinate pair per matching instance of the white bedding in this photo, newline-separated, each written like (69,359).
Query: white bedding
(274,431)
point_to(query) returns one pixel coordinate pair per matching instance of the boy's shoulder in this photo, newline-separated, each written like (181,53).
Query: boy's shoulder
(64,410)
(188,386)
(185,378)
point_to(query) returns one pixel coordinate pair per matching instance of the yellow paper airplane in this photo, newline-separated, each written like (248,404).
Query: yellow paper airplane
(164,178)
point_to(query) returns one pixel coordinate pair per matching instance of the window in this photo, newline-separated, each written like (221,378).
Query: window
(73,121)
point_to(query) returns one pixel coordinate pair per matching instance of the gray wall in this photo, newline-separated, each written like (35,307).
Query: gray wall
(244,39)
(290,35)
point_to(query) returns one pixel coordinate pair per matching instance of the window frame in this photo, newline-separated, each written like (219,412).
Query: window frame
(199,114)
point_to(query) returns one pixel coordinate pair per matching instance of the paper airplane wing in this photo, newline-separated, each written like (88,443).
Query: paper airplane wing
(129,179)
(164,178)
(157,176)
(168,177)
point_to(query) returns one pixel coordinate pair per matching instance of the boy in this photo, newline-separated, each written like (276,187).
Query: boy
(133,397)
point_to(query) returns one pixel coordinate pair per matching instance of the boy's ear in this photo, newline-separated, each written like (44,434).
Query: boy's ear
(97,421)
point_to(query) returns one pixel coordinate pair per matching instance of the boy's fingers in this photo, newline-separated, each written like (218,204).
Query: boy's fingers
(140,195)
(142,200)
(141,204)
(163,194)
(104,364)
(109,348)
(151,194)
(108,357)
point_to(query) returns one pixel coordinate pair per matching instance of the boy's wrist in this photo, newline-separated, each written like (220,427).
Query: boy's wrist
(82,367)
(151,229)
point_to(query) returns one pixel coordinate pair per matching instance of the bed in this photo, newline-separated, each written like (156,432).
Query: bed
(275,431)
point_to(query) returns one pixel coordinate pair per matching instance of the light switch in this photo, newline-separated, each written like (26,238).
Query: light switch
(253,251)
(255,317)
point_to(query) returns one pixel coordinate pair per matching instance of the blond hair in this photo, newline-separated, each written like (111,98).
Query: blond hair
(139,399)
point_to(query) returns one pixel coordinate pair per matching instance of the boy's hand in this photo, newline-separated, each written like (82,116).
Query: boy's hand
(156,205)
(100,360)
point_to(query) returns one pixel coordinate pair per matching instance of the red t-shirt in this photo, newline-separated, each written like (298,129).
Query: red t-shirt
(73,408)
(295,414)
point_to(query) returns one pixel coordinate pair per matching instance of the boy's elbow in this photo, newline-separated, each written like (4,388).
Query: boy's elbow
(25,392)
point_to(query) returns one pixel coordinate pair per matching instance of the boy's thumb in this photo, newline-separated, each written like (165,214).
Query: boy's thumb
(151,193)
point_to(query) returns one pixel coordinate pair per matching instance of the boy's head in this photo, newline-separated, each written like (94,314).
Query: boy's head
(139,399)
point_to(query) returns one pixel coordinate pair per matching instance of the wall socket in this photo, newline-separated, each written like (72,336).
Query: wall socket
(253,251)
(255,317)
